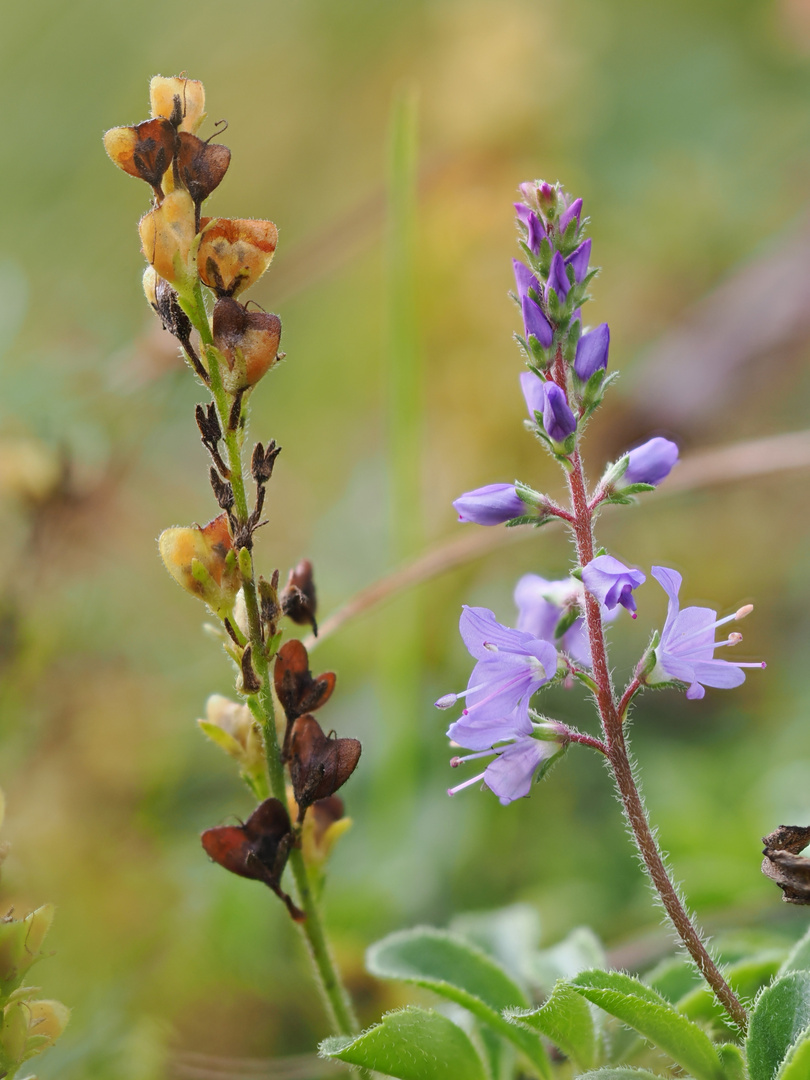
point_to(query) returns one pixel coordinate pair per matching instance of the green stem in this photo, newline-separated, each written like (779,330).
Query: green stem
(262,704)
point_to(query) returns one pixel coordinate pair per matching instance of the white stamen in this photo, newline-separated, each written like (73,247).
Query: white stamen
(448,700)
(490,645)
(739,614)
(456,761)
(732,639)
(460,787)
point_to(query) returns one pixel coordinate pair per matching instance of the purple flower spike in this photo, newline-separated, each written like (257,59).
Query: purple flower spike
(592,352)
(535,323)
(558,420)
(490,505)
(534,391)
(557,277)
(685,652)
(612,583)
(512,665)
(567,216)
(580,260)
(651,462)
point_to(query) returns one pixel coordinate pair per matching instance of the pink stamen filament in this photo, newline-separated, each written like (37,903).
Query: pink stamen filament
(498,690)
(456,761)
(467,783)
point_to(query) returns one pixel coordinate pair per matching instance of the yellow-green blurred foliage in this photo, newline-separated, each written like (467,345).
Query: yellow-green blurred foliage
(685,127)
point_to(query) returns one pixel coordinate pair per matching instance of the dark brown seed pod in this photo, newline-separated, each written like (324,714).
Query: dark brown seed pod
(296,688)
(248,340)
(319,765)
(143,150)
(784,865)
(257,849)
(299,601)
(200,165)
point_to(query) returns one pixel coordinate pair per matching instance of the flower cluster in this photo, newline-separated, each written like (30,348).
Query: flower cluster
(565,381)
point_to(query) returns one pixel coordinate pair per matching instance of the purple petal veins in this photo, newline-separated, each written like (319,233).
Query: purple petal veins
(612,583)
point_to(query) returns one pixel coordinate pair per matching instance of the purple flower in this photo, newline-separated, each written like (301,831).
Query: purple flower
(612,583)
(557,277)
(492,504)
(512,665)
(535,323)
(534,391)
(651,462)
(573,211)
(536,233)
(685,652)
(511,774)
(592,352)
(541,604)
(523,211)
(525,280)
(558,420)
(579,260)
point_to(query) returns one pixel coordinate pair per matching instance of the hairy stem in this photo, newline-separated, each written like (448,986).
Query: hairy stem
(262,704)
(612,716)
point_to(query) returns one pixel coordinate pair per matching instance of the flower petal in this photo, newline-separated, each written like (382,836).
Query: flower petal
(510,775)
(480,733)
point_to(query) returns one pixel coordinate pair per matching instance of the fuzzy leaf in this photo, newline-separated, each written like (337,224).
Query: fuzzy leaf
(580,951)
(414,1044)
(566,1019)
(798,959)
(622,1072)
(454,968)
(781,1014)
(796,1065)
(508,934)
(746,978)
(651,1016)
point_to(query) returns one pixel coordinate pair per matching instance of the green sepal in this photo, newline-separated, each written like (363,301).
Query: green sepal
(565,1018)
(523,519)
(273,644)
(614,472)
(528,495)
(566,621)
(648,661)
(781,1015)
(412,1044)
(541,355)
(576,573)
(455,969)
(655,1019)
(549,763)
(245,564)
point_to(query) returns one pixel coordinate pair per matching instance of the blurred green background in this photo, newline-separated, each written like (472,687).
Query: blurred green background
(685,127)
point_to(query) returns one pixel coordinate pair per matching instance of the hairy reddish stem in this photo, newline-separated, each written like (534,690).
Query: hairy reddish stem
(612,716)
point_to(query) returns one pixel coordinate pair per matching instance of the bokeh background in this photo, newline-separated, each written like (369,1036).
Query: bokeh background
(685,126)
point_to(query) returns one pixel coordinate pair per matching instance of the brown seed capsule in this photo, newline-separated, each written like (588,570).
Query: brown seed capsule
(258,849)
(179,100)
(247,339)
(298,599)
(234,253)
(144,150)
(200,165)
(296,689)
(318,765)
(784,865)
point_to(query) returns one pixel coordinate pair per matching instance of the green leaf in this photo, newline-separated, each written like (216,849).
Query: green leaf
(796,1065)
(413,1044)
(509,935)
(622,1073)
(733,1062)
(454,968)
(651,1016)
(580,951)
(566,1019)
(798,959)
(781,1014)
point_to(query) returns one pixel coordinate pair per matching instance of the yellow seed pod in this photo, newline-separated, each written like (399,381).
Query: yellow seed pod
(178,99)
(234,253)
(47,1019)
(167,236)
(203,561)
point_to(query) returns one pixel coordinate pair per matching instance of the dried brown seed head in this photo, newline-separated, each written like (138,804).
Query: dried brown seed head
(296,688)
(167,235)
(143,150)
(318,765)
(784,865)
(201,166)
(299,601)
(247,339)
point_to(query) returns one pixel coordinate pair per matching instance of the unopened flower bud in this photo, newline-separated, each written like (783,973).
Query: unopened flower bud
(248,340)
(558,420)
(234,253)
(574,211)
(492,504)
(579,260)
(651,462)
(557,277)
(13,1035)
(180,100)
(203,561)
(592,352)
(167,236)
(143,150)
(534,393)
